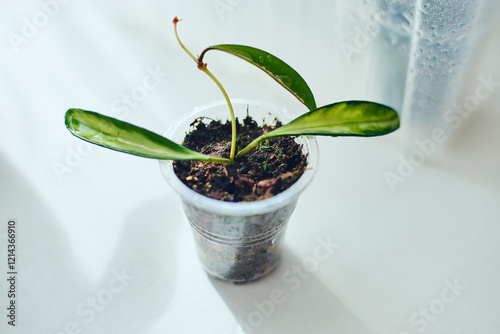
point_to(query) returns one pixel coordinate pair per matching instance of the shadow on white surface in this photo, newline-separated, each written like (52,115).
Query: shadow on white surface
(145,256)
(287,302)
(54,295)
(48,278)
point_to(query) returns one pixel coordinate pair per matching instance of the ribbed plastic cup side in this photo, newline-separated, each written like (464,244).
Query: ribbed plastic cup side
(238,248)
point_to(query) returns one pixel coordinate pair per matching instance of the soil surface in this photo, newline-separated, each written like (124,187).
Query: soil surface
(265,171)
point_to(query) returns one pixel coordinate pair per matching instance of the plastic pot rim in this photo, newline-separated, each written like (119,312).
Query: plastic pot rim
(241,208)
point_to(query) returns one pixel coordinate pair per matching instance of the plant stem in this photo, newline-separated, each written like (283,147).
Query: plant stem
(203,67)
(250,146)
(175,21)
(218,160)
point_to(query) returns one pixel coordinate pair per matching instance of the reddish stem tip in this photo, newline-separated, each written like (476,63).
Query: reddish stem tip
(201,64)
(175,20)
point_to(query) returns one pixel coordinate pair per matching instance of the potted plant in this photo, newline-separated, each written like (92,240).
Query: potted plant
(239,182)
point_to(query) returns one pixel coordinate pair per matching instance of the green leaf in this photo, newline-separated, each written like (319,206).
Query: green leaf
(275,67)
(125,137)
(349,118)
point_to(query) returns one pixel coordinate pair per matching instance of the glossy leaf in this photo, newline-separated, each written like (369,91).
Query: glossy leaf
(350,118)
(125,137)
(274,67)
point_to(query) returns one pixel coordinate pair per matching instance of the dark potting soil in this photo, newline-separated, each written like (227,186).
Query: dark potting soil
(263,172)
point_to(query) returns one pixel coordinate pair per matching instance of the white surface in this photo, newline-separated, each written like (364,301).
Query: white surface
(111,214)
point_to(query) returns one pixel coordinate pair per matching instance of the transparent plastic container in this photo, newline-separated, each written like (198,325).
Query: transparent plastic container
(239,241)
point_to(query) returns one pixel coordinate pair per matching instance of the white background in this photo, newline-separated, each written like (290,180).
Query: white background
(86,215)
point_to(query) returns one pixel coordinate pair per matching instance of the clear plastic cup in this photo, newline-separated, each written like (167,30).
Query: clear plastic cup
(239,241)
